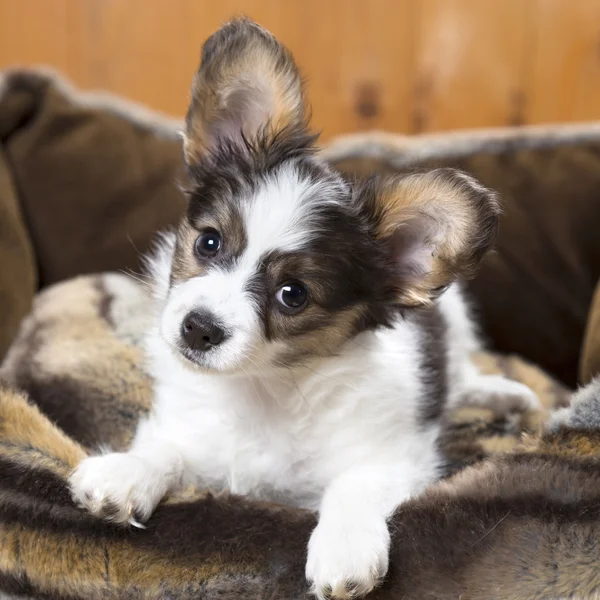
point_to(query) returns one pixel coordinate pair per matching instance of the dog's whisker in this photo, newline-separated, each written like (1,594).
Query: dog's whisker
(137,277)
(251,379)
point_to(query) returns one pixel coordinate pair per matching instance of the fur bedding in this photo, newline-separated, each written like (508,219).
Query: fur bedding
(511,526)
(517,526)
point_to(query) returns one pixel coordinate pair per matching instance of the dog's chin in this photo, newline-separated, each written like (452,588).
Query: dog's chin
(215,361)
(203,362)
(199,361)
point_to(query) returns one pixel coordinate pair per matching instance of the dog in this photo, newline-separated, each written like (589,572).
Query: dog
(310,329)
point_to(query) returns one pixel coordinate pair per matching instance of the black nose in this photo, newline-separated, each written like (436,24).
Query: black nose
(200,331)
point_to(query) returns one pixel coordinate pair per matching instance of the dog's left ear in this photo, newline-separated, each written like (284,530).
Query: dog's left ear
(433,227)
(247,84)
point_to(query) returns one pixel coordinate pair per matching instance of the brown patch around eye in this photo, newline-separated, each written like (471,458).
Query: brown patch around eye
(224,219)
(332,315)
(185,264)
(317,332)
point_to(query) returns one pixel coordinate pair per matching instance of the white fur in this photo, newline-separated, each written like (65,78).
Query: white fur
(341,435)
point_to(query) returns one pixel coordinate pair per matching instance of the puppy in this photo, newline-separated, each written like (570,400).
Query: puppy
(308,331)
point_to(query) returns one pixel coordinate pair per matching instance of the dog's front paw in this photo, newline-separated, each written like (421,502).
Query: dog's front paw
(118,487)
(347,559)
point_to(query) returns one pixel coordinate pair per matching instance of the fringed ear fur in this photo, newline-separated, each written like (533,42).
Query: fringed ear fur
(434,227)
(247,85)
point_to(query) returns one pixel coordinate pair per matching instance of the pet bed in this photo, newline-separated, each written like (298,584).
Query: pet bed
(85,182)
(78,358)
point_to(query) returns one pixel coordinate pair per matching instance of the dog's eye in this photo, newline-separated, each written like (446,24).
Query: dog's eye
(208,244)
(293,295)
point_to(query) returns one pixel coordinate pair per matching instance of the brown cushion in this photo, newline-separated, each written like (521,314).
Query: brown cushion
(96,178)
(17,262)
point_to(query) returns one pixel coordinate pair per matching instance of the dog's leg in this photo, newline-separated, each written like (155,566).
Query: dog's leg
(348,550)
(126,487)
(467,384)
(496,391)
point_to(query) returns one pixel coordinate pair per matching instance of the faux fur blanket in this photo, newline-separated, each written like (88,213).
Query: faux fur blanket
(519,525)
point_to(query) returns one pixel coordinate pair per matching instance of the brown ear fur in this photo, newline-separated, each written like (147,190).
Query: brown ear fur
(436,226)
(247,81)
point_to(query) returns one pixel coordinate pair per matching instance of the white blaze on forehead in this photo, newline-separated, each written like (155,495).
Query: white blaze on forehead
(278,217)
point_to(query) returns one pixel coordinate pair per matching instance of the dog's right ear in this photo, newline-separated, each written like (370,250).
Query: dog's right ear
(432,228)
(247,85)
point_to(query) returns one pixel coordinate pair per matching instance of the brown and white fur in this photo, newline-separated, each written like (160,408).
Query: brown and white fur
(308,331)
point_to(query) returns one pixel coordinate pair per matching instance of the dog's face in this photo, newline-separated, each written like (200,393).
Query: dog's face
(280,259)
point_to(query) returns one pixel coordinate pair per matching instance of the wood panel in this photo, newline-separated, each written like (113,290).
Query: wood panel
(133,47)
(34,32)
(400,65)
(471,60)
(565,78)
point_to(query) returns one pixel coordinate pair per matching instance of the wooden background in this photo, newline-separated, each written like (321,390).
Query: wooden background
(400,65)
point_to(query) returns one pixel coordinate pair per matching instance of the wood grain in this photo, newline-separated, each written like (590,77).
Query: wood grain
(34,32)
(470,63)
(565,77)
(399,65)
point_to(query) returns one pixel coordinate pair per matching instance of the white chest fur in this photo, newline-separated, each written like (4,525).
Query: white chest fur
(286,434)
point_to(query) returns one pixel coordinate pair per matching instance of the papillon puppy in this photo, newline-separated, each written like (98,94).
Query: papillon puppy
(309,330)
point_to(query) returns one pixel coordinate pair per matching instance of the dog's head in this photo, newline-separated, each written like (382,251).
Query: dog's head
(279,258)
